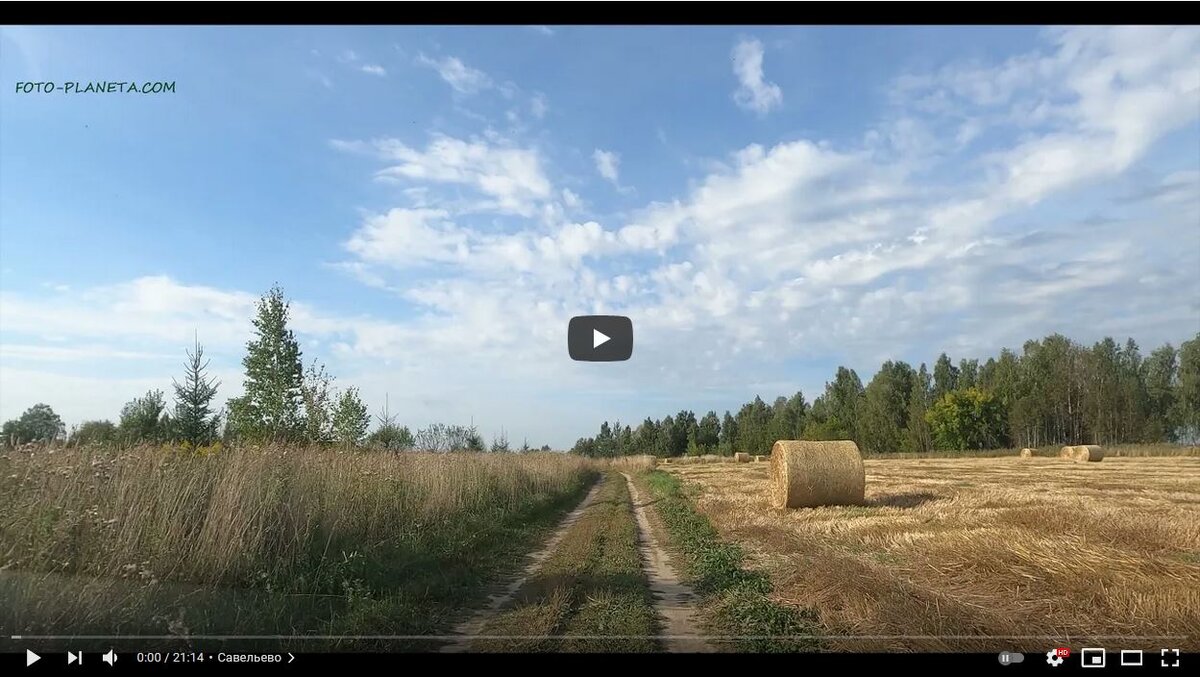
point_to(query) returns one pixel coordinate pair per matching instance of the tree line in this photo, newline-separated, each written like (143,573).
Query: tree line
(1055,391)
(283,401)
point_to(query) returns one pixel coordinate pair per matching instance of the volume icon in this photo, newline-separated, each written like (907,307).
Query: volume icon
(109,657)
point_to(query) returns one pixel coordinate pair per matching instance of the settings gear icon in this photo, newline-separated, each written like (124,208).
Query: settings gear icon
(1053,658)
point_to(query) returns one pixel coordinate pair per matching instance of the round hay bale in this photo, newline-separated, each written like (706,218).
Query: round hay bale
(809,474)
(741,457)
(1027,453)
(711,458)
(1083,453)
(759,459)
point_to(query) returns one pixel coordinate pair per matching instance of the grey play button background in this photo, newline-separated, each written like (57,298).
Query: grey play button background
(600,338)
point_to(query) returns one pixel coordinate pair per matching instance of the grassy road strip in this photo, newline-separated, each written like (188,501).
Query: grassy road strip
(589,595)
(674,600)
(474,625)
(734,601)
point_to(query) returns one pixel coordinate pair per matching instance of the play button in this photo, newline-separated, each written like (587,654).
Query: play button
(600,338)
(31,658)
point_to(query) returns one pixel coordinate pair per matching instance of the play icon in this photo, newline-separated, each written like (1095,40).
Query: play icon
(600,338)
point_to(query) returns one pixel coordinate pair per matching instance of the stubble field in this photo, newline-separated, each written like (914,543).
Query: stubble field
(976,553)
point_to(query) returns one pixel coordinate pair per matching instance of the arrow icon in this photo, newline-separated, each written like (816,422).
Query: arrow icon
(598,339)
(72,657)
(291,657)
(31,658)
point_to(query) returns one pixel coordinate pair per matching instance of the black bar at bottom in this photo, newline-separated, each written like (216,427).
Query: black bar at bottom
(201,660)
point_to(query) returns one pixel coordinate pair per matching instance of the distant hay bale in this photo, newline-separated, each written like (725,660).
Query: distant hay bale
(1027,453)
(668,461)
(759,459)
(711,458)
(741,457)
(1083,453)
(809,474)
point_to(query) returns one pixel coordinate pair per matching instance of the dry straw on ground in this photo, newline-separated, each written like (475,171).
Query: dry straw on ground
(809,474)
(741,457)
(759,459)
(1027,453)
(1083,453)
(948,553)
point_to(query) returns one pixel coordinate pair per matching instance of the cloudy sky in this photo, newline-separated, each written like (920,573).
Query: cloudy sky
(764,203)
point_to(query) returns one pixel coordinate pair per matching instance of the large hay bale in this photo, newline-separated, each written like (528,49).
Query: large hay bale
(711,458)
(1083,453)
(809,474)
(741,457)
(759,459)
(1027,453)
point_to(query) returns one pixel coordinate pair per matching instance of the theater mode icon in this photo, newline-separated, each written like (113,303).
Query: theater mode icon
(600,338)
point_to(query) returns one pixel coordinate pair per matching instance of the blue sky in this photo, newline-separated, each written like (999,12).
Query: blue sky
(765,203)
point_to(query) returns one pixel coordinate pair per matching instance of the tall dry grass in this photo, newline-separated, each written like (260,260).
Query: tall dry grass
(283,521)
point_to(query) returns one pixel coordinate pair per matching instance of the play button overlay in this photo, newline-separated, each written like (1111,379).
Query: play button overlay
(600,338)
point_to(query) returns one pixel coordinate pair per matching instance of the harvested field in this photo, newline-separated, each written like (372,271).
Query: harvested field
(947,553)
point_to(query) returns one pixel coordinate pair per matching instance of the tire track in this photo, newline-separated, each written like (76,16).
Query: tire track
(473,626)
(674,600)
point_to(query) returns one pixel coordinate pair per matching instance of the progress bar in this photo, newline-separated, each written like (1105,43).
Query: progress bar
(1058,638)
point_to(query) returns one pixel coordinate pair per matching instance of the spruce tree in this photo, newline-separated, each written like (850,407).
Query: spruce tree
(195,422)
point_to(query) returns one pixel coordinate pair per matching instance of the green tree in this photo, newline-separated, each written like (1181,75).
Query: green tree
(665,444)
(144,419)
(966,419)
(945,376)
(625,442)
(270,407)
(1158,373)
(315,393)
(728,436)
(917,436)
(646,436)
(884,413)
(968,374)
(94,432)
(753,433)
(195,422)
(500,443)
(708,432)
(685,429)
(834,415)
(350,419)
(1187,392)
(389,435)
(38,423)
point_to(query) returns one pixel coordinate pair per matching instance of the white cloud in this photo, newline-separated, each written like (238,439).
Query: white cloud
(754,91)
(373,69)
(510,178)
(457,74)
(538,105)
(608,164)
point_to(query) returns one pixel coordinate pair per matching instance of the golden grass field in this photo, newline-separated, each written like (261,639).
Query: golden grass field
(948,551)
(269,540)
